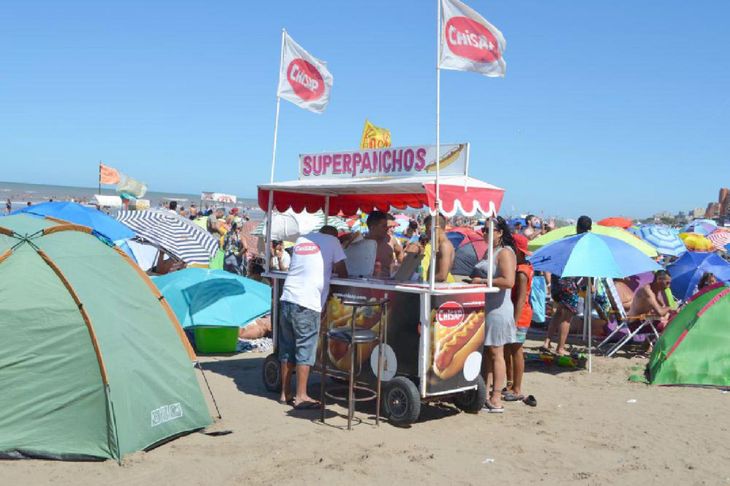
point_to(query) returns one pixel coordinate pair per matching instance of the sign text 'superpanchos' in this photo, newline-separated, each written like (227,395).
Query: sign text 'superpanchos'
(387,162)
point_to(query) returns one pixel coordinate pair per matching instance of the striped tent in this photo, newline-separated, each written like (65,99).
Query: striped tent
(177,236)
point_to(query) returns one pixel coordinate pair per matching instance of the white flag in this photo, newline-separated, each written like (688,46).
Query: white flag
(469,42)
(304,80)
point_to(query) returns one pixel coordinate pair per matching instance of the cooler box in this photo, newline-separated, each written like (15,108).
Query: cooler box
(216,339)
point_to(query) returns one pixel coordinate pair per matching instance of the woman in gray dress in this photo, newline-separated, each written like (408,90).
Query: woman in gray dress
(499,310)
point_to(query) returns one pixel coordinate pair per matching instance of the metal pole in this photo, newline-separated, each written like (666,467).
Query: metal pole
(326,209)
(438,103)
(278,104)
(588,312)
(435,217)
(269,218)
(434,249)
(490,253)
(99,177)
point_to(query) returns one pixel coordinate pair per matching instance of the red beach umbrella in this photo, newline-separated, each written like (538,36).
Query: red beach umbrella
(617,221)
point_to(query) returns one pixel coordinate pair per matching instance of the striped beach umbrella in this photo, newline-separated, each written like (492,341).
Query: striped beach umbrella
(665,239)
(177,236)
(720,239)
(701,226)
(290,225)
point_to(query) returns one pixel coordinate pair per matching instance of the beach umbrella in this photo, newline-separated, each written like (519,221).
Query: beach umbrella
(289,225)
(617,222)
(700,226)
(201,297)
(593,256)
(688,270)
(469,248)
(177,236)
(102,225)
(617,233)
(666,240)
(720,239)
(696,242)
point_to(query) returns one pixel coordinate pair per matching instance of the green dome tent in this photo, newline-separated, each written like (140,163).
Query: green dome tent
(693,349)
(93,363)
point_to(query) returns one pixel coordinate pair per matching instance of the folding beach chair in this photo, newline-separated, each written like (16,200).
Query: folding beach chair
(628,327)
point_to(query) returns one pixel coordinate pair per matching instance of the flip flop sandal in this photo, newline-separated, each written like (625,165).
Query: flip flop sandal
(288,401)
(307,405)
(511,397)
(530,400)
(491,408)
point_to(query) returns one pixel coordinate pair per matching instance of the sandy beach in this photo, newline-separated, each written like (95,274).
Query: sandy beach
(586,429)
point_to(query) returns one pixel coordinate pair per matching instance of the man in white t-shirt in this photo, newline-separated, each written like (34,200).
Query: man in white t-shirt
(306,288)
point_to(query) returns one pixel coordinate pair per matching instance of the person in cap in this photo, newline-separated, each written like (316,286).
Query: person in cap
(513,352)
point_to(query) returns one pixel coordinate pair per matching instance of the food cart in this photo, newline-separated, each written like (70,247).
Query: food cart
(435,331)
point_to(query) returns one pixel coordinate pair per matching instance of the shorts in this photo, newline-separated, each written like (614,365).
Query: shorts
(521,335)
(298,332)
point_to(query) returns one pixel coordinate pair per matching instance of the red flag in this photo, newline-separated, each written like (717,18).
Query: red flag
(108,175)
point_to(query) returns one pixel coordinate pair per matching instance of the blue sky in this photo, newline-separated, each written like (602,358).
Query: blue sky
(608,108)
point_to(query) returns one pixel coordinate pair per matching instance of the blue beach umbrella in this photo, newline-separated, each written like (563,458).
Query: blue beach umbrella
(688,270)
(201,297)
(594,256)
(103,226)
(665,239)
(700,226)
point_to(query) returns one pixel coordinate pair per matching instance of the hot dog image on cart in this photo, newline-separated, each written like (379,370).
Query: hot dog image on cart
(432,332)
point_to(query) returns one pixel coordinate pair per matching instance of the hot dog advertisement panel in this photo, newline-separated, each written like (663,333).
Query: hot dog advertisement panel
(457,340)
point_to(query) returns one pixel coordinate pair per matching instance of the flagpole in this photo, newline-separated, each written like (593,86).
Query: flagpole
(278,105)
(435,218)
(100,177)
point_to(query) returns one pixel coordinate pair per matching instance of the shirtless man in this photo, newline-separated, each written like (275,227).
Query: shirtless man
(444,251)
(398,253)
(378,231)
(531,231)
(652,299)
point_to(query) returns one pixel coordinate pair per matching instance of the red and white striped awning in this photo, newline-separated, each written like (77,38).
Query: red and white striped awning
(459,194)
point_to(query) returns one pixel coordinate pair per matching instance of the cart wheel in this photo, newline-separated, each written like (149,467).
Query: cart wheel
(272,373)
(472,401)
(401,402)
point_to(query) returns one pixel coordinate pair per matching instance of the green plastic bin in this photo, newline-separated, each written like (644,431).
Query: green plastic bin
(216,339)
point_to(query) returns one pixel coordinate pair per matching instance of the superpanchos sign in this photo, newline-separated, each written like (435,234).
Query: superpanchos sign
(387,162)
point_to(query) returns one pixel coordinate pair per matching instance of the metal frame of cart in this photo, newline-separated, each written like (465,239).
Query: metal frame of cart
(456,194)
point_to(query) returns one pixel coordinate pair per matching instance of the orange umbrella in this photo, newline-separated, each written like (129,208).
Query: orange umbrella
(618,222)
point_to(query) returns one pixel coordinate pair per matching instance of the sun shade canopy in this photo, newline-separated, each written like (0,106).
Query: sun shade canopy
(459,194)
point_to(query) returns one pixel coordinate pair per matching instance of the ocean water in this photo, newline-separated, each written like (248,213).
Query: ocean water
(21,193)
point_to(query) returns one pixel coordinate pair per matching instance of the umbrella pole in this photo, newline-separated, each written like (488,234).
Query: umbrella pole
(218,411)
(587,319)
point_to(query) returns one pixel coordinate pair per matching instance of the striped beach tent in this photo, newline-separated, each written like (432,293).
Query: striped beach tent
(177,236)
